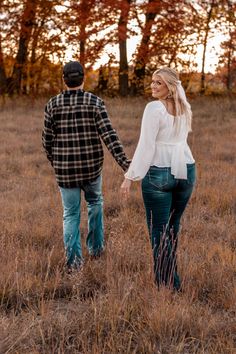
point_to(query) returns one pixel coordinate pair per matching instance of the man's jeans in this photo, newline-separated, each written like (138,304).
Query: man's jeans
(165,199)
(71,198)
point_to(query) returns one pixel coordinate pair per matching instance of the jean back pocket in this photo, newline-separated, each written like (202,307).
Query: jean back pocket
(159,177)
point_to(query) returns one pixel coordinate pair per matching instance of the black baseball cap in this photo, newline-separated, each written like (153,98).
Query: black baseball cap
(73,74)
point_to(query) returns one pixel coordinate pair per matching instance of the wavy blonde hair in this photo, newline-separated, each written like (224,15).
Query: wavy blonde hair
(176,91)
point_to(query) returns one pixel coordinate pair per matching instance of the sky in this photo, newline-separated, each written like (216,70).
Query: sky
(212,53)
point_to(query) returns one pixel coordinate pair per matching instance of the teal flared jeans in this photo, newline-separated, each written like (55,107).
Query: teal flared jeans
(165,199)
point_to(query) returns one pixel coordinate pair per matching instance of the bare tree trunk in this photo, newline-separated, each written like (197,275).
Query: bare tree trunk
(32,69)
(122,34)
(32,66)
(3,78)
(84,8)
(19,69)
(103,79)
(203,76)
(229,78)
(82,52)
(38,77)
(137,85)
(82,48)
(232,32)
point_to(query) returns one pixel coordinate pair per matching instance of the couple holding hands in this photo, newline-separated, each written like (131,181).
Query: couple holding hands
(75,122)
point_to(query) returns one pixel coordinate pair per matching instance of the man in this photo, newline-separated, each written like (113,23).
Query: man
(74,122)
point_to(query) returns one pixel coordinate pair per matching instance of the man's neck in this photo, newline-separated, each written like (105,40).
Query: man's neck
(75,88)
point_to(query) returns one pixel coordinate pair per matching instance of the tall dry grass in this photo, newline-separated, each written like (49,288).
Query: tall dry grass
(113,306)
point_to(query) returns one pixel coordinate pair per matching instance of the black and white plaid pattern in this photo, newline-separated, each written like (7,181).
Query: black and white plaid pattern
(74,121)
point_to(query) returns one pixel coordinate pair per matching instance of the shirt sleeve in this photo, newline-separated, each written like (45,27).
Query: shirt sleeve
(47,134)
(110,137)
(146,146)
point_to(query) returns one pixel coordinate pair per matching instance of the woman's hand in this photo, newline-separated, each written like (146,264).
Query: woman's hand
(125,187)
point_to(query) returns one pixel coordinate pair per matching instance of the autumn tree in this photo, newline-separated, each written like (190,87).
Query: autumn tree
(37,35)
(119,15)
(46,42)
(40,31)
(9,20)
(99,23)
(171,43)
(150,9)
(30,35)
(26,27)
(205,24)
(3,77)
(122,38)
(87,24)
(228,58)
(165,35)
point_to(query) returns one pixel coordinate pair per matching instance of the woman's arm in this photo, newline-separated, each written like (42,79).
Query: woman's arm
(146,147)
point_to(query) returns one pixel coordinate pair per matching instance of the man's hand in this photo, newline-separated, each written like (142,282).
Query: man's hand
(125,187)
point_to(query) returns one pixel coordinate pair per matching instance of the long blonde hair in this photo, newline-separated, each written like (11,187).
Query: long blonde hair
(176,91)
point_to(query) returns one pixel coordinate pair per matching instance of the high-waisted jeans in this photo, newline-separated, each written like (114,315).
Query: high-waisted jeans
(71,198)
(165,199)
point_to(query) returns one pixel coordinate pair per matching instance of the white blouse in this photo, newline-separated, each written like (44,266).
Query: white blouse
(159,145)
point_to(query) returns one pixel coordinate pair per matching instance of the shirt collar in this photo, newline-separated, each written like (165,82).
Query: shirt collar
(72,92)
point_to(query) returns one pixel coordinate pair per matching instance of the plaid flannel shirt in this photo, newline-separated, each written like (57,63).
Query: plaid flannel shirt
(74,121)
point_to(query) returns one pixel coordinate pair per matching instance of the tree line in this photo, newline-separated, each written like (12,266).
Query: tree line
(36,34)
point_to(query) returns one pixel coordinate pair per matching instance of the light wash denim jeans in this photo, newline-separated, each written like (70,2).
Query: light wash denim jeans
(165,199)
(71,198)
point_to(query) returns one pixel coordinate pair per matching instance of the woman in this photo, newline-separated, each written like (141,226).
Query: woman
(164,163)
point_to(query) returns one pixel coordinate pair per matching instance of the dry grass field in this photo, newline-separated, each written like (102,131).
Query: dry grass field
(112,306)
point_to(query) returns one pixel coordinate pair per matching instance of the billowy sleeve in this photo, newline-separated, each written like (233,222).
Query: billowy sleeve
(146,146)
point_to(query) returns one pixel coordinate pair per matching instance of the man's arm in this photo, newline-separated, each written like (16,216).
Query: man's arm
(47,134)
(110,137)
